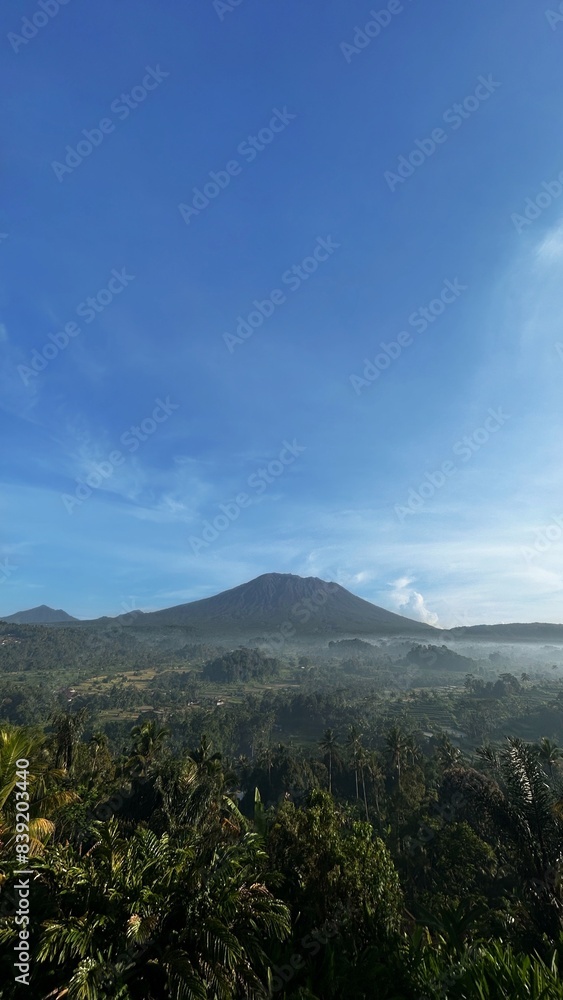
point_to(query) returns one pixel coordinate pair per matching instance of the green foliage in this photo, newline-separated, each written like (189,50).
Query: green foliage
(437,658)
(334,862)
(240,665)
(111,928)
(318,841)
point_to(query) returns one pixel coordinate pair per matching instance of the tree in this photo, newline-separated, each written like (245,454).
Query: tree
(550,753)
(44,784)
(329,744)
(461,865)
(518,810)
(68,728)
(341,885)
(398,746)
(447,753)
(354,747)
(371,766)
(147,742)
(266,758)
(151,917)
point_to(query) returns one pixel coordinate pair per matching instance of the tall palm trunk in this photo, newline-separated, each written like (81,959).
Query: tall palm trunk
(364,791)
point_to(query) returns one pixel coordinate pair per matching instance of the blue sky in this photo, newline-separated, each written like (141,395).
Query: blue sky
(429,479)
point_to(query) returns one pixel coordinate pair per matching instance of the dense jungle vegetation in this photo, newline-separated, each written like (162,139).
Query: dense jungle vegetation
(399,870)
(218,824)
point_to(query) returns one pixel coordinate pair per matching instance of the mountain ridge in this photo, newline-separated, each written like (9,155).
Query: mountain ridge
(41,615)
(293,605)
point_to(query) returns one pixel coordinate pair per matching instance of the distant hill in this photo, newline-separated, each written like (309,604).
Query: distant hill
(291,605)
(438,658)
(39,616)
(352,646)
(515,632)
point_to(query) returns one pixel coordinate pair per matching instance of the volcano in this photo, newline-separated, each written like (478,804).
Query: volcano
(302,605)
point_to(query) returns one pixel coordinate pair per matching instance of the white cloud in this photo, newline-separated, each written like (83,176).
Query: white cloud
(410,601)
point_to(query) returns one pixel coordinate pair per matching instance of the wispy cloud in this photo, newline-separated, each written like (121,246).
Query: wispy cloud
(551,246)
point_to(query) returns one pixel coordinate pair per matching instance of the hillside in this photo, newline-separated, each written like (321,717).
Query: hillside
(512,632)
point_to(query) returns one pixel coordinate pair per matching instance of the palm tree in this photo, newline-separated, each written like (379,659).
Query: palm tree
(154,916)
(266,758)
(550,753)
(43,783)
(354,747)
(398,746)
(413,751)
(372,765)
(488,756)
(447,753)
(147,742)
(98,746)
(329,744)
(197,791)
(523,812)
(68,730)
(363,764)
(528,800)
(203,753)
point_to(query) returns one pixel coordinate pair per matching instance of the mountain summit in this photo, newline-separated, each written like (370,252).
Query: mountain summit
(42,615)
(303,605)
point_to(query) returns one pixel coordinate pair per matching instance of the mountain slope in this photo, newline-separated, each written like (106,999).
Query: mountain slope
(300,605)
(42,615)
(512,632)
